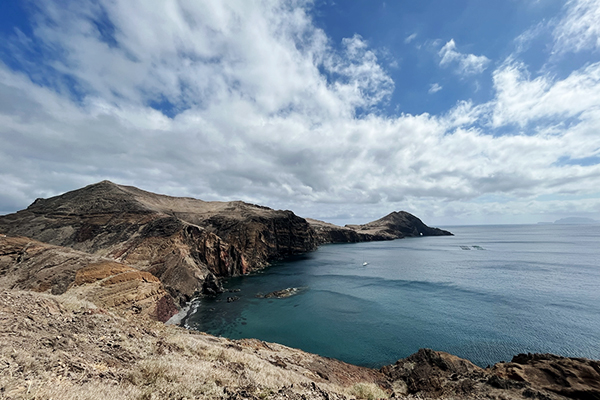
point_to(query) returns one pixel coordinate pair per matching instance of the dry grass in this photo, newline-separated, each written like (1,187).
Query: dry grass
(65,348)
(368,391)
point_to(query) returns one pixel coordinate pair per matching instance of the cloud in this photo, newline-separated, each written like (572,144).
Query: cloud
(358,76)
(410,38)
(468,64)
(434,88)
(521,100)
(580,28)
(250,100)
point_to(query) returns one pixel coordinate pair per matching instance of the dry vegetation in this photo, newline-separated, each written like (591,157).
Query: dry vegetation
(59,347)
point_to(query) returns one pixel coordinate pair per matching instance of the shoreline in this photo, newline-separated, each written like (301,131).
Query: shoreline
(84,351)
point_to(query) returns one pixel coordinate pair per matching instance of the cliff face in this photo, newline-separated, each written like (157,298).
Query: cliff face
(179,240)
(31,265)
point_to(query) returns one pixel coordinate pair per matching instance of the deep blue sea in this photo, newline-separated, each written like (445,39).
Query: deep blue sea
(486,294)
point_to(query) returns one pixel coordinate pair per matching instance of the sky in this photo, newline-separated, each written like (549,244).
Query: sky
(458,111)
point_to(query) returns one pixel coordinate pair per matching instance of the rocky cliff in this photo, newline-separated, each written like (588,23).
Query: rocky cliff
(179,240)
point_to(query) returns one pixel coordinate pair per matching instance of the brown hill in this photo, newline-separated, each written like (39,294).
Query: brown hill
(179,240)
(397,225)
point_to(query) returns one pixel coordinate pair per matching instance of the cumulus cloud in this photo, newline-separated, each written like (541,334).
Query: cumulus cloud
(467,64)
(250,100)
(521,100)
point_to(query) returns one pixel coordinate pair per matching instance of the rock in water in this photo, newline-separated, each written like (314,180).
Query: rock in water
(282,294)
(211,285)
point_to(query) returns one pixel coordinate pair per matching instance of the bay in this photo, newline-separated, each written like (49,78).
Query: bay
(485,294)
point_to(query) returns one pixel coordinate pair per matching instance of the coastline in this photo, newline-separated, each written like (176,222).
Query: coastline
(84,299)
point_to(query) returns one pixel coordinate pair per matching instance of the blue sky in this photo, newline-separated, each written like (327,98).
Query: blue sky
(458,111)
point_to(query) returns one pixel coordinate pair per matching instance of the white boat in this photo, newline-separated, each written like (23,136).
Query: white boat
(365,263)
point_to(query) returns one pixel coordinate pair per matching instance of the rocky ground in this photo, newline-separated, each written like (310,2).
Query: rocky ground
(60,347)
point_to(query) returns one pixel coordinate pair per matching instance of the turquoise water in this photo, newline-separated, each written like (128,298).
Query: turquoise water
(524,288)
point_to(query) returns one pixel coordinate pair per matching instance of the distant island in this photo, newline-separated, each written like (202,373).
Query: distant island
(572,221)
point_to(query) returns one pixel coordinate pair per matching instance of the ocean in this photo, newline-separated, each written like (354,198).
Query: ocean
(485,294)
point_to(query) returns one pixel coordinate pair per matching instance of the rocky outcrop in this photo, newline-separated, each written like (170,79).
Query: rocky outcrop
(576,378)
(435,374)
(397,225)
(212,286)
(32,265)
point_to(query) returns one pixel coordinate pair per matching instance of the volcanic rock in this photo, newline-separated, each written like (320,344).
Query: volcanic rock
(32,265)
(283,293)
(211,285)
(435,374)
(179,240)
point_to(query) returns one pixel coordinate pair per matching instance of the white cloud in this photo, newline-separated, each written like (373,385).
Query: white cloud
(521,100)
(434,88)
(410,38)
(580,28)
(267,112)
(524,40)
(468,64)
